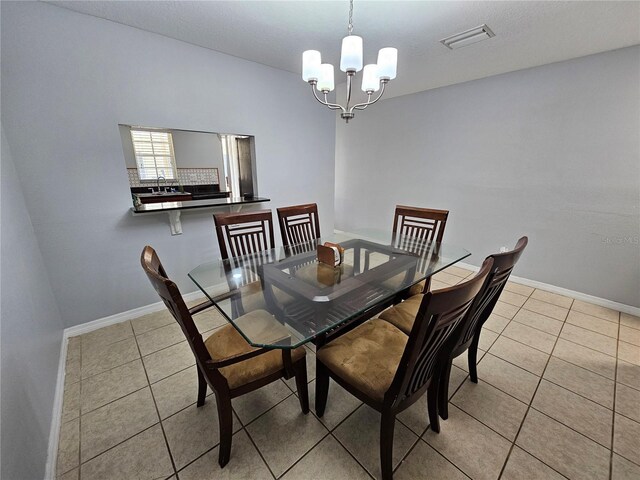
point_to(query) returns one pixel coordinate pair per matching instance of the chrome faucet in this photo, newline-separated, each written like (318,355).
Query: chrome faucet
(165,183)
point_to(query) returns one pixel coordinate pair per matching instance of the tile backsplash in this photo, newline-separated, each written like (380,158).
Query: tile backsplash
(186,176)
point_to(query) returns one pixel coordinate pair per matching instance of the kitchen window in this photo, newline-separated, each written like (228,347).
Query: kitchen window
(155,159)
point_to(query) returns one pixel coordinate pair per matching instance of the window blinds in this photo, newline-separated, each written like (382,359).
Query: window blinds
(154,154)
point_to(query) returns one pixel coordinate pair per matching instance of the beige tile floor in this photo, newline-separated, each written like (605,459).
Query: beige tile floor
(558,397)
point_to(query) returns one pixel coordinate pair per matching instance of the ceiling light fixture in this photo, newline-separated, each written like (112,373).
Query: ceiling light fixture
(374,76)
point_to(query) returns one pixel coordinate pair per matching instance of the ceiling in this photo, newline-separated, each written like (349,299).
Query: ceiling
(275,33)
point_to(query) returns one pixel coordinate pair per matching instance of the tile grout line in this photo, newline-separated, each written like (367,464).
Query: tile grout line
(108,369)
(571,428)
(288,469)
(539,411)
(529,406)
(421,437)
(613,413)
(435,450)
(404,457)
(153,398)
(268,409)
(255,445)
(581,366)
(530,326)
(566,340)
(350,454)
(120,443)
(344,446)
(579,394)
(534,408)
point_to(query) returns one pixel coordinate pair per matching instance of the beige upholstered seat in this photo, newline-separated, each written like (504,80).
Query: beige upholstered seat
(418,288)
(403,314)
(394,283)
(226,342)
(367,357)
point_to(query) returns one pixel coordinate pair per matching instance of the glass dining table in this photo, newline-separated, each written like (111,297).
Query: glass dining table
(307,301)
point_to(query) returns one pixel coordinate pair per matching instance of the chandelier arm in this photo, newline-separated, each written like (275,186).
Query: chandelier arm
(362,106)
(332,106)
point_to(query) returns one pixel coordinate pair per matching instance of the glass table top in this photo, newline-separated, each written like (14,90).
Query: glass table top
(283,297)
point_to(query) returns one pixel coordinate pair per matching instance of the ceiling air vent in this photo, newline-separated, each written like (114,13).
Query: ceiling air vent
(467,37)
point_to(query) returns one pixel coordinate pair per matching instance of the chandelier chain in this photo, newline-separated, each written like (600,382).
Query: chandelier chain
(350,27)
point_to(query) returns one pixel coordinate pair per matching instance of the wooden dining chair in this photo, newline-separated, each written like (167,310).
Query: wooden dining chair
(300,231)
(467,335)
(224,360)
(244,233)
(423,224)
(248,235)
(388,370)
(299,224)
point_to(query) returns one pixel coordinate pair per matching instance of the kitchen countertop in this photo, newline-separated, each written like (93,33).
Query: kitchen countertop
(191,204)
(160,195)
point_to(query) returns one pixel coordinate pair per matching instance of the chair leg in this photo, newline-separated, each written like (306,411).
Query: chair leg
(387,425)
(322,387)
(443,390)
(427,285)
(202,387)
(473,358)
(300,367)
(225,421)
(432,405)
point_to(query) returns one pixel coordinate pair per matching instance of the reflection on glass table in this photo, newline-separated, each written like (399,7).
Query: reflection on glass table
(310,301)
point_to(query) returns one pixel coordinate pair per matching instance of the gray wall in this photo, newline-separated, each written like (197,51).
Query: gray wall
(30,332)
(67,81)
(198,150)
(552,152)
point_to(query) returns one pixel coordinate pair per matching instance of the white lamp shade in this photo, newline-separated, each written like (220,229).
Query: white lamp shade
(325,82)
(387,63)
(310,65)
(351,57)
(370,79)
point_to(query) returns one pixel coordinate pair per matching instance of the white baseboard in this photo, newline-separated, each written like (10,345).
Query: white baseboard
(56,417)
(603,302)
(123,316)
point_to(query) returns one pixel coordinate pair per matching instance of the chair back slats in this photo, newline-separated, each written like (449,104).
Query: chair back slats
(426,362)
(503,264)
(299,224)
(438,316)
(171,297)
(241,234)
(422,224)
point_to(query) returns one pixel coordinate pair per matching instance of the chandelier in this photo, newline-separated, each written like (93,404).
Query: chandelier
(374,76)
